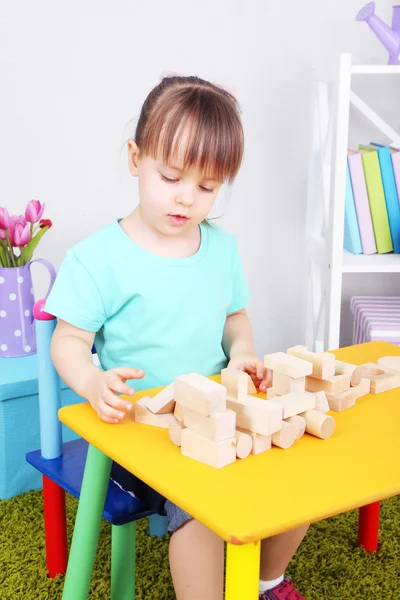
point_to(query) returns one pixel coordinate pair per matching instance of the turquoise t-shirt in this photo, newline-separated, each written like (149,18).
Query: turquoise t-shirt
(163,315)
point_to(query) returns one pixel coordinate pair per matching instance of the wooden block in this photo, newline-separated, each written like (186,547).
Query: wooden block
(244,444)
(146,417)
(251,388)
(342,401)
(216,427)
(175,433)
(382,378)
(178,412)
(283,384)
(215,454)
(331,385)
(322,403)
(163,402)
(363,388)
(288,365)
(271,393)
(323,362)
(293,404)
(200,394)
(319,424)
(238,384)
(364,372)
(343,368)
(285,437)
(257,415)
(300,424)
(392,362)
(261,443)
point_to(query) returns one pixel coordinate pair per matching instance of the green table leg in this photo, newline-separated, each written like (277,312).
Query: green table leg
(123,561)
(87,525)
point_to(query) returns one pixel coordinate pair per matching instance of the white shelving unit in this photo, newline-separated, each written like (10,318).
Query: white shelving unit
(375,263)
(327,262)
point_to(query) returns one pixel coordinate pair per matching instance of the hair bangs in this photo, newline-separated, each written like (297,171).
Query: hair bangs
(193,128)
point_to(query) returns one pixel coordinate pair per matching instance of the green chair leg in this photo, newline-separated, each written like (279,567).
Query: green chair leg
(87,525)
(123,561)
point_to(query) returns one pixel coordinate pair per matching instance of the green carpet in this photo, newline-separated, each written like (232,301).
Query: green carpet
(328,565)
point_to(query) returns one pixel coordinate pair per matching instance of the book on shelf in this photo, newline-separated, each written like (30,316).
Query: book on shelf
(376,198)
(395,154)
(390,190)
(361,202)
(352,239)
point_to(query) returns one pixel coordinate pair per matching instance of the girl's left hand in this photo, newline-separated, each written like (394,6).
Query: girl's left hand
(252,365)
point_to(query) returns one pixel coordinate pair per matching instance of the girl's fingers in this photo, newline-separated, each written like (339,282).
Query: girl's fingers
(103,417)
(261,371)
(116,401)
(129,373)
(116,385)
(110,406)
(108,414)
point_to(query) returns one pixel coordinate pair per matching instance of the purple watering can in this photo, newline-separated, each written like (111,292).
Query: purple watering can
(389,36)
(17,325)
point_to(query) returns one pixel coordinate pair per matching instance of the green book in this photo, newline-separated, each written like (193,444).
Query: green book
(377,202)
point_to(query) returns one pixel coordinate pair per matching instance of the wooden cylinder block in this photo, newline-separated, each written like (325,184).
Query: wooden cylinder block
(300,424)
(244,444)
(319,424)
(175,433)
(285,437)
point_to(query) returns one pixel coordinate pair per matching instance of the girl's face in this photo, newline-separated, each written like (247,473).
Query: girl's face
(172,200)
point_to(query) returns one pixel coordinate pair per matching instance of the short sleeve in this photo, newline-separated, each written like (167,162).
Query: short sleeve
(75,297)
(240,288)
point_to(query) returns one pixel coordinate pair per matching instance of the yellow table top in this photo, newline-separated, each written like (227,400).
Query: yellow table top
(275,491)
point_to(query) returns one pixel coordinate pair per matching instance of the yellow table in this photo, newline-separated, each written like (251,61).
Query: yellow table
(312,480)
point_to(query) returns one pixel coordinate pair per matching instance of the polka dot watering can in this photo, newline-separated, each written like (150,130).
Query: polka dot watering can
(17,325)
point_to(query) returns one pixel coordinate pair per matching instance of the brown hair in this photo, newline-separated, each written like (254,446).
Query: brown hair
(212,116)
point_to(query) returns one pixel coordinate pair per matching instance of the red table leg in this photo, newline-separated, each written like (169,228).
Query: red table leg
(55,528)
(368,526)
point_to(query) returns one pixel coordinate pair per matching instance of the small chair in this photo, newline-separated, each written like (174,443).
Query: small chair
(62,467)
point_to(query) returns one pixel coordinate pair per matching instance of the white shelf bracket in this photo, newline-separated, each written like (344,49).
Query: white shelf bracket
(372,116)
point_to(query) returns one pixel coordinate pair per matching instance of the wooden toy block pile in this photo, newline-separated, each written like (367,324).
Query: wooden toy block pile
(342,383)
(215,423)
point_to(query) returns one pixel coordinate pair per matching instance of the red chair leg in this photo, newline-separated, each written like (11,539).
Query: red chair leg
(55,528)
(368,526)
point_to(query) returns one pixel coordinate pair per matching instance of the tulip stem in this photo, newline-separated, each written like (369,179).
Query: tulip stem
(11,253)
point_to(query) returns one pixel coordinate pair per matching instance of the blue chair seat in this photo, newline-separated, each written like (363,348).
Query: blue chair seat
(67,472)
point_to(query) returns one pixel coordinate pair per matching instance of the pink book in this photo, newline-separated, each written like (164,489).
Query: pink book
(396,168)
(361,202)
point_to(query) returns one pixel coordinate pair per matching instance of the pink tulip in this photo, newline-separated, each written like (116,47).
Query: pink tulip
(4,219)
(14,221)
(2,235)
(22,234)
(34,211)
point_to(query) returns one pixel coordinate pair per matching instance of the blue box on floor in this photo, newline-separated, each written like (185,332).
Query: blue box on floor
(19,424)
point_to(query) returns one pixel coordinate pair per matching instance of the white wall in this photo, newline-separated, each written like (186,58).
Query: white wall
(73,76)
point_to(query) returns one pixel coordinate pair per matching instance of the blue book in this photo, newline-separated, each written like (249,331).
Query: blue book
(352,240)
(391,196)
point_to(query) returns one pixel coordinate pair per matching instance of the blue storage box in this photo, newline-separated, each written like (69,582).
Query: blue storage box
(19,424)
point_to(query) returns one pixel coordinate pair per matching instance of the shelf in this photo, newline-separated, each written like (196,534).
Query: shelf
(373,263)
(375,69)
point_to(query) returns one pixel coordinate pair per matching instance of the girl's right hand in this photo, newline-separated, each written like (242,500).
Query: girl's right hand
(103,398)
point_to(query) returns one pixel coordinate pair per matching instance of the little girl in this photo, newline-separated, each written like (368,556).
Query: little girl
(162,292)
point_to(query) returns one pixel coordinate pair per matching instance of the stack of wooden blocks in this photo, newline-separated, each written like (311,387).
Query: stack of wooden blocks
(215,423)
(343,383)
